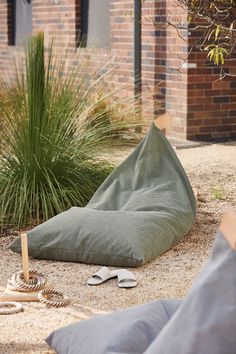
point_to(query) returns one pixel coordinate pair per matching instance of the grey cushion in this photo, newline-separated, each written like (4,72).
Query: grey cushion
(206,320)
(127,331)
(142,209)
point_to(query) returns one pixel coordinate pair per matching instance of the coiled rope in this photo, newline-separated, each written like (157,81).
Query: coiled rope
(55,303)
(36,282)
(8,308)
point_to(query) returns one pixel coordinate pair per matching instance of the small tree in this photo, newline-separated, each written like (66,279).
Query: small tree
(213,20)
(216,20)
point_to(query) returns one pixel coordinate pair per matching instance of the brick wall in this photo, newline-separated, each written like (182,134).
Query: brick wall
(122,38)
(57,19)
(5,35)
(176,77)
(199,106)
(211,101)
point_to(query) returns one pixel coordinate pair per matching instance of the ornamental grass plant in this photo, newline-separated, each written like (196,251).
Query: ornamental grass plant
(54,124)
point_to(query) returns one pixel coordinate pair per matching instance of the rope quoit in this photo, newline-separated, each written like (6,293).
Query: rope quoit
(29,281)
(36,281)
(54,303)
(8,308)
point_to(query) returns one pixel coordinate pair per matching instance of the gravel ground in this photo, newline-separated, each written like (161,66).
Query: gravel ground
(212,172)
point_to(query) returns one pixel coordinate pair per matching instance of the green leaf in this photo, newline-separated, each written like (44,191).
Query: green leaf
(217,32)
(216,56)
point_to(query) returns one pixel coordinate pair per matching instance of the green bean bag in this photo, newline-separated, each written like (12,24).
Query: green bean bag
(141,210)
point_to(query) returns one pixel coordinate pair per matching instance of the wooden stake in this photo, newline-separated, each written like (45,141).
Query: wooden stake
(25,257)
(163,122)
(228,227)
(12,295)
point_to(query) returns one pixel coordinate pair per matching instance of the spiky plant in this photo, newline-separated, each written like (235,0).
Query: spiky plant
(52,132)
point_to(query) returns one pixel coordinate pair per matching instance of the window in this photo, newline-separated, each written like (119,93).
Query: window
(21,20)
(96,23)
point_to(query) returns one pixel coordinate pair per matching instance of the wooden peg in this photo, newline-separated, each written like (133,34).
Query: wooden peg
(228,227)
(163,122)
(25,257)
(14,295)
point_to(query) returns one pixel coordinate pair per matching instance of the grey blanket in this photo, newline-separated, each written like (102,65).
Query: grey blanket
(206,320)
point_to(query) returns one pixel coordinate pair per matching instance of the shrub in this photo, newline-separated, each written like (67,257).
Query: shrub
(53,130)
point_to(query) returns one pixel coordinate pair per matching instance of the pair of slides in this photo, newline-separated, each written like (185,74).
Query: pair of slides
(126,279)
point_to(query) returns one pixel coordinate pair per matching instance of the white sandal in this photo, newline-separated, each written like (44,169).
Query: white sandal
(126,279)
(101,276)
